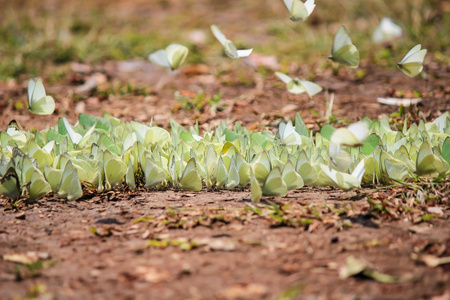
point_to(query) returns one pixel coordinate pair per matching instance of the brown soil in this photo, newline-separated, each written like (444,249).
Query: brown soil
(210,245)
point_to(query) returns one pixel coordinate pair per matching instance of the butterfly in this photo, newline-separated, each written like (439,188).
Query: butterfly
(298,10)
(352,136)
(75,137)
(298,86)
(412,63)
(230,48)
(171,57)
(38,102)
(9,184)
(386,31)
(190,180)
(343,180)
(343,51)
(70,186)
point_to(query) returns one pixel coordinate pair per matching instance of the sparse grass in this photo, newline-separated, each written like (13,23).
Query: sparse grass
(35,36)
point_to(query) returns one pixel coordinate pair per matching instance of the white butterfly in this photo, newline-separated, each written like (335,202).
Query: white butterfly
(230,48)
(386,31)
(343,51)
(412,63)
(298,86)
(298,10)
(171,57)
(38,101)
(353,136)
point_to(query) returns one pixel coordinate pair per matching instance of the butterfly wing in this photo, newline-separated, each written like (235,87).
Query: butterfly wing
(274,184)
(176,54)
(38,102)
(283,77)
(360,130)
(244,52)
(159,58)
(311,88)
(341,39)
(298,11)
(190,180)
(411,52)
(9,184)
(255,189)
(310,5)
(219,35)
(347,55)
(44,106)
(412,63)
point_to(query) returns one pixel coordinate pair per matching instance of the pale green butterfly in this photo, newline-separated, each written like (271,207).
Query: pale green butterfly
(129,176)
(298,10)
(9,184)
(244,170)
(298,86)
(38,186)
(261,167)
(428,163)
(229,47)
(340,159)
(352,136)
(38,101)
(154,175)
(70,186)
(291,178)
(115,169)
(343,180)
(343,51)
(412,63)
(14,131)
(171,57)
(211,162)
(256,191)
(75,137)
(274,184)
(233,175)
(53,176)
(288,135)
(190,180)
(222,173)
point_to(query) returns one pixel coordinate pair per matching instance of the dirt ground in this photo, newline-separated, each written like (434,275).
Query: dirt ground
(218,245)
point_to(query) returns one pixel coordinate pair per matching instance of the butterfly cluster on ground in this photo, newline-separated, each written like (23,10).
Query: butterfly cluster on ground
(101,153)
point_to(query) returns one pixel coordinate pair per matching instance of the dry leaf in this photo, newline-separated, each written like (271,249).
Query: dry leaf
(244,291)
(152,274)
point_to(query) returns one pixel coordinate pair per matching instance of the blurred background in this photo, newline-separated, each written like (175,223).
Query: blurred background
(37,34)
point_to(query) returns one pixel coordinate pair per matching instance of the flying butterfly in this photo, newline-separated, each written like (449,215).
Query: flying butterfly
(171,57)
(343,51)
(412,63)
(298,10)
(229,47)
(298,86)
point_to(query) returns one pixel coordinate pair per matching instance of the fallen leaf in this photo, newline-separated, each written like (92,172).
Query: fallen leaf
(26,258)
(436,210)
(243,291)
(20,216)
(289,108)
(433,261)
(152,274)
(256,60)
(352,267)
(92,82)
